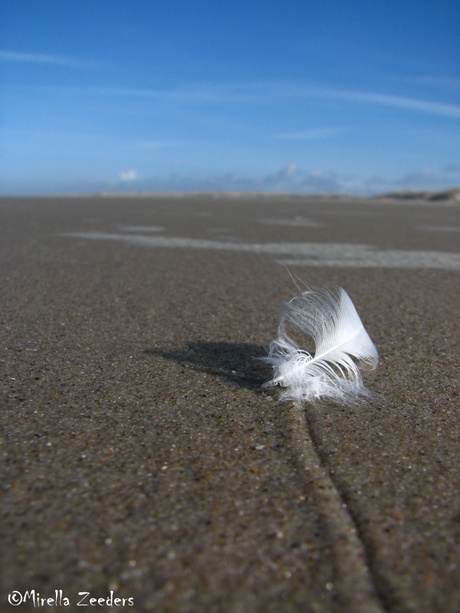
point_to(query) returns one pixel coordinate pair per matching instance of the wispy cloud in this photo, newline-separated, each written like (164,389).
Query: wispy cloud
(38,58)
(312,134)
(254,93)
(257,93)
(186,95)
(447,82)
(160,144)
(414,104)
(304,91)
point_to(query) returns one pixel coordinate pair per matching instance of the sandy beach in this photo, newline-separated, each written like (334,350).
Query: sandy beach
(142,460)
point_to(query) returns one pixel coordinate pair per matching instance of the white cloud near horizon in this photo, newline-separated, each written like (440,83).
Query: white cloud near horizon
(292,179)
(127,176)
(287,179)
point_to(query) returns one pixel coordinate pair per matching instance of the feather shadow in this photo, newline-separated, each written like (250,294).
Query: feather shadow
(239,363)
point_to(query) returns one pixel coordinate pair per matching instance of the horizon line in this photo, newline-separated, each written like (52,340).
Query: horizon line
(448,194)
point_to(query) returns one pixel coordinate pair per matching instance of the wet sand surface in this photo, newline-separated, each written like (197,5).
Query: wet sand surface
(142,459)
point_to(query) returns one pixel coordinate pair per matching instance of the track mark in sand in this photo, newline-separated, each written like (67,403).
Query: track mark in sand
(353,581)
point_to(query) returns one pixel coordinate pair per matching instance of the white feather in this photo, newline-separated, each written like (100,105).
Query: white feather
(329,317)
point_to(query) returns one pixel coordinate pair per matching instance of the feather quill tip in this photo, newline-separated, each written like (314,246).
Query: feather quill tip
(342,348)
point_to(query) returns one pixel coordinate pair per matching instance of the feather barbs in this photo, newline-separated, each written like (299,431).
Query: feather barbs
(342,346)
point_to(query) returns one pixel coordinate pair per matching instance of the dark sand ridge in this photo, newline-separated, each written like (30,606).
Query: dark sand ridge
(141,455)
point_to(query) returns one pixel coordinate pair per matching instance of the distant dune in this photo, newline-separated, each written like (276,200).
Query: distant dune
(448,194)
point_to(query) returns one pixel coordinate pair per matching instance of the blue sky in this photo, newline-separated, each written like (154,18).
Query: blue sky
(181,95)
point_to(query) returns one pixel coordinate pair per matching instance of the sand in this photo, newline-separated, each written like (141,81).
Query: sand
(143,461)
